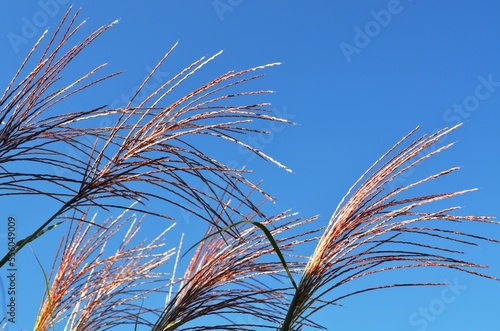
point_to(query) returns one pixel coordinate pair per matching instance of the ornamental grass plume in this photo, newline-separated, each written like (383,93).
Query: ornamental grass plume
(377,229)
(91,289)
(146,153)
(228,277)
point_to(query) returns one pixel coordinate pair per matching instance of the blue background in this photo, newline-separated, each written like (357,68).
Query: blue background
(353,93)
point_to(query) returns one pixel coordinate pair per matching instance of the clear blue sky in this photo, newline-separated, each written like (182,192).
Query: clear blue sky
(356,76)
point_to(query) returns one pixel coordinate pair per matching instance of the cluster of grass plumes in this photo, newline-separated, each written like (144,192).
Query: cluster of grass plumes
(145,154)
(229,276)
(245,273)
(93,289)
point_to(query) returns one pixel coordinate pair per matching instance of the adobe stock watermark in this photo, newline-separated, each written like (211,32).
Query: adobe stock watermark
(3,288)
(8,282)
(463,110)
(454,115)
(425,315)
(363,36)
(221,7)
(32,26)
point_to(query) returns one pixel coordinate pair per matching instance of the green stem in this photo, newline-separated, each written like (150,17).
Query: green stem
(291,310)
(23,242)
